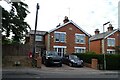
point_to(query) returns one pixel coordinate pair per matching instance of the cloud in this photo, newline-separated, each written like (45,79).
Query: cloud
(89,14)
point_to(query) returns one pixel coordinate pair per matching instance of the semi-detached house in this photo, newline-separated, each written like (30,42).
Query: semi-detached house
(107,42)
(70,38)
(67,38)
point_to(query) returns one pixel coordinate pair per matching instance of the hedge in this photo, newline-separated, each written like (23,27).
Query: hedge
(112,60)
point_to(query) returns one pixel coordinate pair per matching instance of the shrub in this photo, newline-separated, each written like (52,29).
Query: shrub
(112,60)
(86,56)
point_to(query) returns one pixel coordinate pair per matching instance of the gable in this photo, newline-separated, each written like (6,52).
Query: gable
(69,23)
(112,33)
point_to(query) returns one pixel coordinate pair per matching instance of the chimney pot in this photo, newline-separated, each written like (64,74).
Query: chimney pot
(65,19)
(97,31)
(110,28)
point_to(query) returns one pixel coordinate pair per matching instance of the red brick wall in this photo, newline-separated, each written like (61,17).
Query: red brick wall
(116,35)
(96,46)
(70,38)
(46,41)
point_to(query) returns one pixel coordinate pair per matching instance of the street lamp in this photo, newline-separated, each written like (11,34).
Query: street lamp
(34,42)
(104,44)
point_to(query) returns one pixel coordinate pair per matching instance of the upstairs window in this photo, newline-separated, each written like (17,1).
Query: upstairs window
(60,36)
(38,38)
(80,38)
(80,49)
(111,41)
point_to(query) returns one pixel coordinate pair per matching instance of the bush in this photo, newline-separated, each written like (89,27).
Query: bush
(86,57)
(112,60)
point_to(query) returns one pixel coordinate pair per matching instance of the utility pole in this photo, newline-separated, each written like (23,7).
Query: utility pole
(34,42)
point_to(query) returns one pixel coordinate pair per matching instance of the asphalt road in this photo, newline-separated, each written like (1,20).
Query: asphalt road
(57,72)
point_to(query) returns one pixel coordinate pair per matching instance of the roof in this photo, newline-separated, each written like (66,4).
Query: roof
(38,32)
(70,21)
(103,35)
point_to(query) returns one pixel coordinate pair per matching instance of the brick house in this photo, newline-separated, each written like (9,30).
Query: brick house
(67,38)
(40,40)
(107,42)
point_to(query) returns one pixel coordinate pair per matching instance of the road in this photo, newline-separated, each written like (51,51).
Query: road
(57,72)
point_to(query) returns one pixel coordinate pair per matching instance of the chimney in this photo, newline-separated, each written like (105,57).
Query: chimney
(66,19)
(110,28)
(97,31)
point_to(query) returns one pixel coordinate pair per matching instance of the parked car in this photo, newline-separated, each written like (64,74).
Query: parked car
(51,58)
(72,60)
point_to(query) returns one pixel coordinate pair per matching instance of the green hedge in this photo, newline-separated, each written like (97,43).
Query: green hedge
(112,60)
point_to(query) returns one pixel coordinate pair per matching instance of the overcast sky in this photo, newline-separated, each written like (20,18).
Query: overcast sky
(88,14)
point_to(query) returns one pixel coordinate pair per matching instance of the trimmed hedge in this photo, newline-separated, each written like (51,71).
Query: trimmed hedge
(112,60)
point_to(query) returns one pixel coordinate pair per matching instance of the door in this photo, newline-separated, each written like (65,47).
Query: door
(60,51)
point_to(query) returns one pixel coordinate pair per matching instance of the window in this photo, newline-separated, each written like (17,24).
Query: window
(60,49)
(57,37)
(110,51)
(80,49)
(60,36)
(38,38)
(80,38)
(111,41)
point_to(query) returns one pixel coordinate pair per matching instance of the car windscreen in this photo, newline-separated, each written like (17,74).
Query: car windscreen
(52,53)
(73,57)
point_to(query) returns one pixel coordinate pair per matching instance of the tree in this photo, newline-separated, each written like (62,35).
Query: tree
(13,21)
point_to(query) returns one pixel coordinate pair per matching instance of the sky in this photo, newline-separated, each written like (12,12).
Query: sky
(88,14)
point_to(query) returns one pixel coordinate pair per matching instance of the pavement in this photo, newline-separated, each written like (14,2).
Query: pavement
(57,72)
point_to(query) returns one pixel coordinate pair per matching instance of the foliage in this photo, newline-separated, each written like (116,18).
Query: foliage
(13,21)
(6,40)
(112,60)
(117,49)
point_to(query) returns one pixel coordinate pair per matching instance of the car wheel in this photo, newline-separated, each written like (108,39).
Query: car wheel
(47,65)
(70,64)
(60,65)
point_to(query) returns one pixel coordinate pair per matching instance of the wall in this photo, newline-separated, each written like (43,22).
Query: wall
(14,53)
(9,61)
(116,35)
(96,46)
(40,45)
(70,30)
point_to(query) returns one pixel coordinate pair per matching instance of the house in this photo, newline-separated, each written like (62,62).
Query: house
(40,40)
(67,38)
(107,42)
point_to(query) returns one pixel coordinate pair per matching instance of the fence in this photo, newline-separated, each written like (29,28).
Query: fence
(16,50)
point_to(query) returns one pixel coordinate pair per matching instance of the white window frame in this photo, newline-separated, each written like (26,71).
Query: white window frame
(110,44)
(59,36)
(62,51)
(79,39)
(112,50)
(38,38)
(82,48)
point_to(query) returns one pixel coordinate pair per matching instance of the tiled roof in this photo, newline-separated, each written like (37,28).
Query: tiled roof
(38,32)
(70,21)
(103,35)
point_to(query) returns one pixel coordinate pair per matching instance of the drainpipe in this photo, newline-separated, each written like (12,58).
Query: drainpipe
(48,45)
(89,44)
